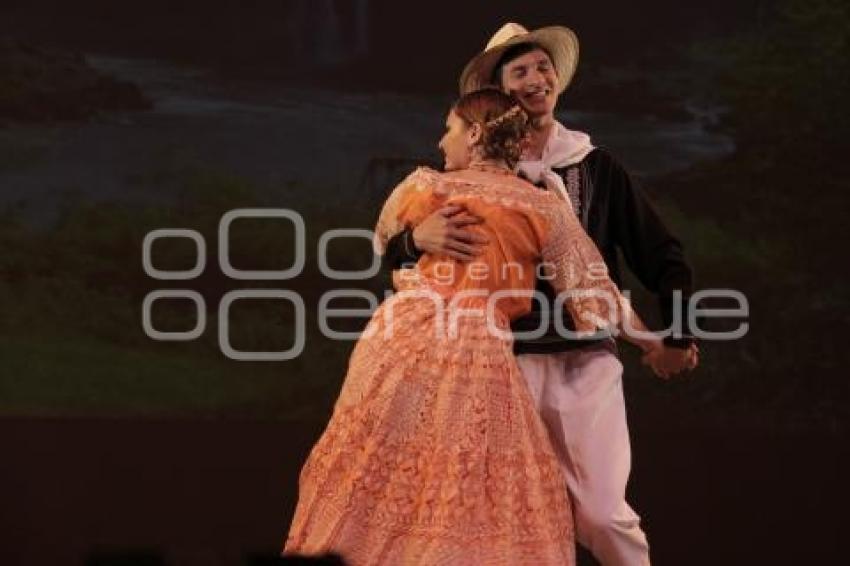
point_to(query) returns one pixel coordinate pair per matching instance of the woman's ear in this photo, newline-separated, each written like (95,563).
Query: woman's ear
(473,134)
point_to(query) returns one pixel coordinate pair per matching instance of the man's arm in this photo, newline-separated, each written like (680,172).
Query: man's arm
(401,251)
(651,251)
(444,232)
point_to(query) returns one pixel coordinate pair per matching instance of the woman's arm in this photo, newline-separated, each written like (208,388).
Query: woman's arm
(578,273)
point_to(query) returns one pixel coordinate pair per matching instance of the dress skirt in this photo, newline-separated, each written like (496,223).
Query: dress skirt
(434,453)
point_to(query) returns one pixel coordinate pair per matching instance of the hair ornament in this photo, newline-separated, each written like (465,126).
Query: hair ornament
(514,110)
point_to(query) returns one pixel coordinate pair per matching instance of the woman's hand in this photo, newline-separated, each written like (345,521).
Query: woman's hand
(444,232)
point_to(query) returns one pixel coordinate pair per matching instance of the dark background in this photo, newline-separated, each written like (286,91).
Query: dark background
(120,118)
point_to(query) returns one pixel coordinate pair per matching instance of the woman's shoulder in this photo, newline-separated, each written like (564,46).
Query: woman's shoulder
(422,177)
(509,190)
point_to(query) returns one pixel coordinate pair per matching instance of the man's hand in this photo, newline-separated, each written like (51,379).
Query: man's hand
(668,361)
(444,232)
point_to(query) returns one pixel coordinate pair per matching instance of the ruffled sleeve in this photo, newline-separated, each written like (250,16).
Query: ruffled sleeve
(577,272)
(409,203)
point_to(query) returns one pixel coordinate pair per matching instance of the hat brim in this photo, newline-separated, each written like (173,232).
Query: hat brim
(560,42)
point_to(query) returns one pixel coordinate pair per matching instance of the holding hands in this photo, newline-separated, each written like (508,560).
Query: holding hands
(667,361)
(446,231)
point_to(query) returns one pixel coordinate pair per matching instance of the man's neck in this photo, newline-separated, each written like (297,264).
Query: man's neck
(541,129)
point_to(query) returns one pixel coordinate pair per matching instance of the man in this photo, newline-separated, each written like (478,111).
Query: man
(576,385)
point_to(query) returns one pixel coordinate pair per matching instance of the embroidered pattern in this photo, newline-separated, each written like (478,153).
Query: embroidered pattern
(435,453)
(574,189)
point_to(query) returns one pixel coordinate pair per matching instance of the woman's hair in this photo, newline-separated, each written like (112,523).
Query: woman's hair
(503,122)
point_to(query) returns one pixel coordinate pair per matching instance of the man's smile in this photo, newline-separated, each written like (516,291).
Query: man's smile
(537,96)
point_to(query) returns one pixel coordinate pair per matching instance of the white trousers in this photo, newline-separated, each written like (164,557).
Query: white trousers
(579,395)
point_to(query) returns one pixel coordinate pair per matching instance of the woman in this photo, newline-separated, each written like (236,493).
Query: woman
(434,453)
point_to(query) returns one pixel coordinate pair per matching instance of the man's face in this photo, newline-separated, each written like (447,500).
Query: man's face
(531,79)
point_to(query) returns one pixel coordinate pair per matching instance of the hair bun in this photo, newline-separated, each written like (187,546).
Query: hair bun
(503,121)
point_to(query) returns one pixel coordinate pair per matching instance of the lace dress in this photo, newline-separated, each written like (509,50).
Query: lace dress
(434,453)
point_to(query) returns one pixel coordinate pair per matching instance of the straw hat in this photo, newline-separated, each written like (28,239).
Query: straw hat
(560,42)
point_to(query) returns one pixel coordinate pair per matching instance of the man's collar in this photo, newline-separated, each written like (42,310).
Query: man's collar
(565,147)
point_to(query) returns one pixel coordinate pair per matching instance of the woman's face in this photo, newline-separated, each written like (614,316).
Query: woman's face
(456,144)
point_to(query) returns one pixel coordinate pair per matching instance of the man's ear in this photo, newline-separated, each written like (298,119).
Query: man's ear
(473,135)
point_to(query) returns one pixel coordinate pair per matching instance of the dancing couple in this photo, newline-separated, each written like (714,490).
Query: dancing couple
(473,427)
